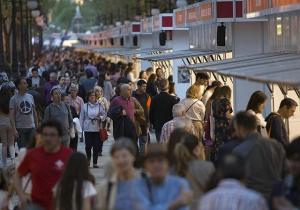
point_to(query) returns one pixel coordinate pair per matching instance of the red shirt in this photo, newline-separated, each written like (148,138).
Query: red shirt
(45,169)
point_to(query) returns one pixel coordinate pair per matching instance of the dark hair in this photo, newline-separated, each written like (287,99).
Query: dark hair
(141,74)
(59,78)
(141,82)
(163,84)
(5,95)
(123,143)
(288,102)
(216,83)
(72,182)
(216,94)
(18,81)
(225,91)
(170,78)
(232,167)
(202,75)
(52,124)
(246,121)
(256,99)
(293,149)
(156,150)
(149,69)
(86,62)
(184,152)
(89,93)
(35,68)
(101,80)
(89,73)
(152,78)
(175,138)
(171,87)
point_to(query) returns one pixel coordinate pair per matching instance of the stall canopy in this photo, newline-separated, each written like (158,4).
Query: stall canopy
(133,52)
(279,68)
(108,50)
(181,54)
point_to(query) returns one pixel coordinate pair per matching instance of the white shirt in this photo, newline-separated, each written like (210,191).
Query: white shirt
(232,195)
(88,189)
(195,109)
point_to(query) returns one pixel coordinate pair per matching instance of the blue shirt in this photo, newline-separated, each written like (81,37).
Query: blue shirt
(125,198)
(161,195)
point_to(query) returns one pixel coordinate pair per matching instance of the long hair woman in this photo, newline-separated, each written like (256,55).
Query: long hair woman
(222,113)
(75,190)
(190,164)
(256,106)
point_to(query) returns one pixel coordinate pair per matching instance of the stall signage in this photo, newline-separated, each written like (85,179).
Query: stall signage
(193,14)
(257,5)
(180,18)
(280,3)
(206,11)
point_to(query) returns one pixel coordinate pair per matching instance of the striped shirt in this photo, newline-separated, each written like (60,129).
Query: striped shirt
(232,195)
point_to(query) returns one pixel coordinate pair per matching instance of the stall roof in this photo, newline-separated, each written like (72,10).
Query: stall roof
(131,52)
(281,68)
(108,50)
(180,54)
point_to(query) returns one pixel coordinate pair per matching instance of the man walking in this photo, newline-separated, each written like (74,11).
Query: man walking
(45,164)
(142,97)
(22,113)
(161,108)
(275,124)
(264,157)
(60,111)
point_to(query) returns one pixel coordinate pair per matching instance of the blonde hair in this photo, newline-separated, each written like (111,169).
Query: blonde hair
(193,92)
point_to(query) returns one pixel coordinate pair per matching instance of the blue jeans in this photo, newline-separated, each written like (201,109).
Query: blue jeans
(25,136)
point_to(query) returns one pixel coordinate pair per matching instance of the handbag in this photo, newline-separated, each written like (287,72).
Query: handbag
(103,134)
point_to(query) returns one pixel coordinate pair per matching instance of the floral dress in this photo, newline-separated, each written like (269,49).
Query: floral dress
(222,132)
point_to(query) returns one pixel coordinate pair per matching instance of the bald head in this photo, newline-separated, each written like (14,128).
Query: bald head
(125,91)
(178,110)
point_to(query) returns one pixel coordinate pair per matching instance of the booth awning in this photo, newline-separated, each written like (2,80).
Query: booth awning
(280,68)
(133,52)
(180,55)
(108,50)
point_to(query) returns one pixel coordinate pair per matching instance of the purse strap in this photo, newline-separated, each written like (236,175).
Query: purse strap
(192,105)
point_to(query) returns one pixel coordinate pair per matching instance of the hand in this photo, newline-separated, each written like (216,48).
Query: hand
(16,133)
(124,112)
(24,200)
(185,198)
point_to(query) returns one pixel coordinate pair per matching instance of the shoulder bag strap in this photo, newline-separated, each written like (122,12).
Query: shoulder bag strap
(192,105)
(108,194)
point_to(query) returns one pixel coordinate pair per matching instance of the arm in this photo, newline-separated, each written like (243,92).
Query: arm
(12,116)
(87,203)
(138,108)
(18,187)
(82,116)
(35,117)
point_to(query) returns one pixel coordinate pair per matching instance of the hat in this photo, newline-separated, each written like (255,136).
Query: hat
(56,87)
(293,150)
(156,151)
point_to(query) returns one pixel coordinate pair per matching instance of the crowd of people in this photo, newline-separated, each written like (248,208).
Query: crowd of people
(202,156)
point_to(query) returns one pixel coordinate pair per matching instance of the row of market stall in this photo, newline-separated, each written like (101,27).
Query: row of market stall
(249,45)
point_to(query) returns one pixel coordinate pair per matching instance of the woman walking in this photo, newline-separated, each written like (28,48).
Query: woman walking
(91,115)
(75,190)
(256,106)
(6,131)
(222,113)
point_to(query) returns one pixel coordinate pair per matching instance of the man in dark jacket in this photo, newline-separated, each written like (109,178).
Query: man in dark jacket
(275,124)
(142,97)
(161,108)
(265,158)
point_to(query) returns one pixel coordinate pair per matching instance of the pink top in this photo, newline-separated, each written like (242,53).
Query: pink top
(128,105)
(77,103)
